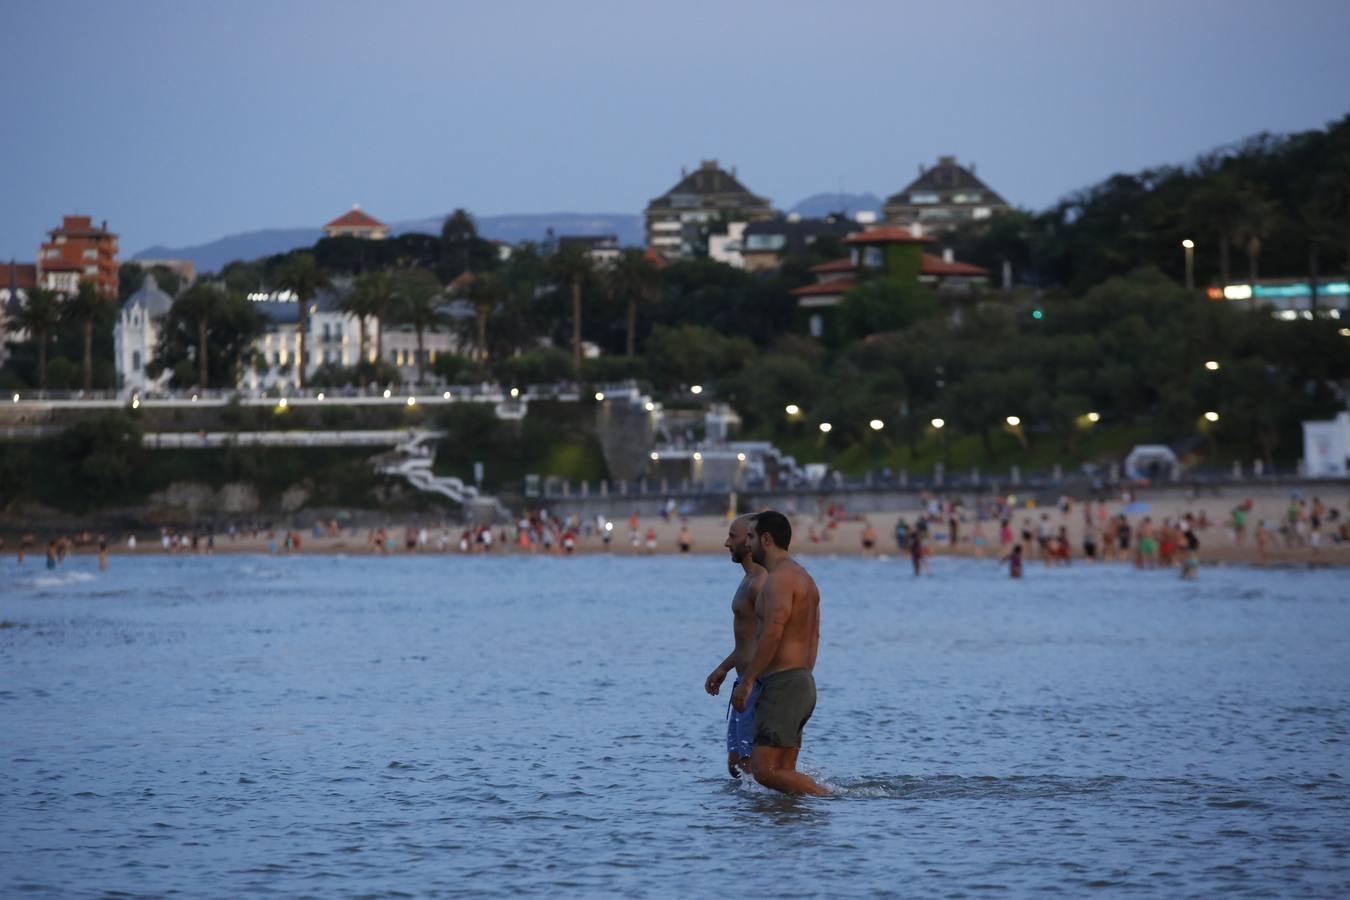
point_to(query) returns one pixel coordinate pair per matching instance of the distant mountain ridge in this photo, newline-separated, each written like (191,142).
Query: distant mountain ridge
(213,256)
(629,228)
(819,205)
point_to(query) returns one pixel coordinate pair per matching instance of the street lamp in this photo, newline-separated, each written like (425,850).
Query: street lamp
(1211,416)
(656,457)
(1212,365)
(698,457)
(696,389)
(1189,246)
(826,427)
(1013,421)
(792,409)
(599,396)
(876,424)
(938,423)
(1094,417)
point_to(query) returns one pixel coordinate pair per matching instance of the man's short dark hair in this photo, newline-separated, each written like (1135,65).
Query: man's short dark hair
(775,525)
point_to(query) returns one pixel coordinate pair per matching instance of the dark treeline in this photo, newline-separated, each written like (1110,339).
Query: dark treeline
(1267,206)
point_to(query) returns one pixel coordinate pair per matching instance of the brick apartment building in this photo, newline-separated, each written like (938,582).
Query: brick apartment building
(75,252)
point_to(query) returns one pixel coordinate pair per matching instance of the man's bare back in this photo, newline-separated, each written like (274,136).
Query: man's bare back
(790,595)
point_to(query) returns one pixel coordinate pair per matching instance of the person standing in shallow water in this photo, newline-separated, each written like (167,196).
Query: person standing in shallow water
(786,641)
(740,725)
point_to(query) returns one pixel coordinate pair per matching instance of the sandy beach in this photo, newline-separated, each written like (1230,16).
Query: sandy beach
(823,535)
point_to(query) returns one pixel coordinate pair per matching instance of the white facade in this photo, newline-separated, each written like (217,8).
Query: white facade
(1326,447)
(334,340)
(135,336)
(726,248)
(400,349)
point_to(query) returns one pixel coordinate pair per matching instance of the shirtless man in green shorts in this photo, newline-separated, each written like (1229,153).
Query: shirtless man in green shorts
(788,610)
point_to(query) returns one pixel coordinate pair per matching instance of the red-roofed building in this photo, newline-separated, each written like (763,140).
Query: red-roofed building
(891,252)
(358,224)
(79,251)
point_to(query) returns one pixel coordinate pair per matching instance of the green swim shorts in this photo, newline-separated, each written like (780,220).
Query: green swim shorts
(786,701)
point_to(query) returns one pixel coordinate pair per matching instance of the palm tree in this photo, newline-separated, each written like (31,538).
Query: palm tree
(84,307)
(368,298)
(303,277)
(419,301)
(635,278)
(487,292)
(572,266)
(1256,220)
(202,303)
(40,317)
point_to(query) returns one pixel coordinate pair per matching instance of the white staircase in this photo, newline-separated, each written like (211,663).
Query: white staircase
(412,459)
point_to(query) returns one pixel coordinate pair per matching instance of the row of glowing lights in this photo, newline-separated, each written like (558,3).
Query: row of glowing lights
(698,457)
(791,409)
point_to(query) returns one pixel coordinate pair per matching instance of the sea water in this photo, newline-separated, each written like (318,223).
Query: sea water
(489,726)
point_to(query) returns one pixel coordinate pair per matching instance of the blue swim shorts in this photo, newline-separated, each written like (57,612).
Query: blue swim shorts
(741,725)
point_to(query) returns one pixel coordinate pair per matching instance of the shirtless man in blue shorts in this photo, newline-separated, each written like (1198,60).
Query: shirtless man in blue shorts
(786,641)
(740,725)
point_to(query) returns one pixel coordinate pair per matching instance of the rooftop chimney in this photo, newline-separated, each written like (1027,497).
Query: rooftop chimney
(948,255)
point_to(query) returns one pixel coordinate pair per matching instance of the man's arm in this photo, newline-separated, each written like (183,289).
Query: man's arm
(777,611)
(713,683)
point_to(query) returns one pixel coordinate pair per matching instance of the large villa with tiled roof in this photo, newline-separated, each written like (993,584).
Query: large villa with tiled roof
(702,195)
(944,197)
(358,224)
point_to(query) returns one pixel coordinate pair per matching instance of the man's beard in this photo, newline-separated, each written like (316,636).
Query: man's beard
(739,553)
(757,554)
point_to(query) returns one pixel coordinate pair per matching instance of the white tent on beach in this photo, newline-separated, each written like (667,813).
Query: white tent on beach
(1326,447)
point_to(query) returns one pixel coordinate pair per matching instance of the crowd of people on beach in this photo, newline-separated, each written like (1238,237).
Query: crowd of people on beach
(1012,529)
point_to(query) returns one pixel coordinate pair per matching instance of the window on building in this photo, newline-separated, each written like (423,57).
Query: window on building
(91,254)
(980,212)
(765,242)
(817,325)
(135,360)
(967,198)
(872,258)
(923,198)
(91,270)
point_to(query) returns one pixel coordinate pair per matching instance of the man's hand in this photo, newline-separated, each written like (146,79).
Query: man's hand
(713,684)
(740,698)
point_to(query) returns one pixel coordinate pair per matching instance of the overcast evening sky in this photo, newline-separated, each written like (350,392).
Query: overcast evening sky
(180,122)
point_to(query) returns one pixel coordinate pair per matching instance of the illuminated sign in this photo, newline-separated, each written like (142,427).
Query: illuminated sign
(1274,291)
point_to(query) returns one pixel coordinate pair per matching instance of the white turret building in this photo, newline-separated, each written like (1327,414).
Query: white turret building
(135,336)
